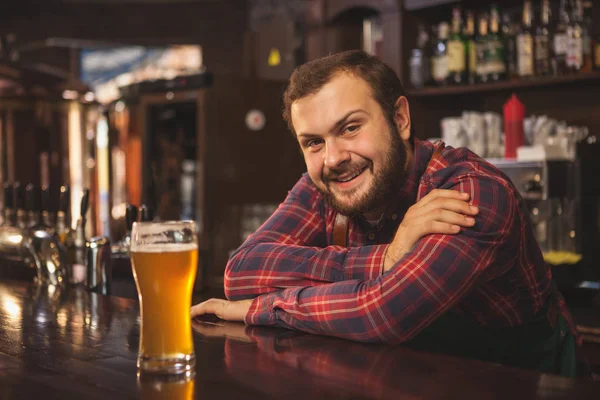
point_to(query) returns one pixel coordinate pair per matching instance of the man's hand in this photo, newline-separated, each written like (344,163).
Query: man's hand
(224,309)
(441,211)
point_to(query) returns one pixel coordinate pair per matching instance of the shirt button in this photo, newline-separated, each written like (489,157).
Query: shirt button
(371,236)
(394,216)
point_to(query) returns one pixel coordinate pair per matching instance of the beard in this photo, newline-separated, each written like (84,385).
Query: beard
(390,176)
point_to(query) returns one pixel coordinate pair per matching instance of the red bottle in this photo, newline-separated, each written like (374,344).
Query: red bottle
(514,114)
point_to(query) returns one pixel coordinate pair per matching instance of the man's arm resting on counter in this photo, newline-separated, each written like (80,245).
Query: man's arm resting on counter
(290,250)
(427,282)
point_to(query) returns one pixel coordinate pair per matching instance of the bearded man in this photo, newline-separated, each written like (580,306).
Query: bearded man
(390,239)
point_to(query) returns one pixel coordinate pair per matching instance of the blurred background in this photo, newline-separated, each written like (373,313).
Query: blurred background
(176,105)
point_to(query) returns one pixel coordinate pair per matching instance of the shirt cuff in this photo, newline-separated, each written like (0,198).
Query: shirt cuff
(261,311)
(365,263)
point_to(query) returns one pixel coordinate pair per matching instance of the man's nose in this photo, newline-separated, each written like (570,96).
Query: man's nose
(335,153)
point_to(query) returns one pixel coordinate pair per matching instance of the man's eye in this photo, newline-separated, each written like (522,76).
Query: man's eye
(352,128)
(313,143)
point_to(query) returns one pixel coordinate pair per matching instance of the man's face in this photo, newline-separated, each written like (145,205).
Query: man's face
(353,154)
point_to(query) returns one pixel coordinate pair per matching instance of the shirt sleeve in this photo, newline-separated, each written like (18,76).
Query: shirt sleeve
(291,250)
(426,282)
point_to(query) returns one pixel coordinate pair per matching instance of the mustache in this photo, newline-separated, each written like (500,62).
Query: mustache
(349,169)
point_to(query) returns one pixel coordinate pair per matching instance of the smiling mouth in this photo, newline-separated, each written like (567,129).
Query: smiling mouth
(350,177)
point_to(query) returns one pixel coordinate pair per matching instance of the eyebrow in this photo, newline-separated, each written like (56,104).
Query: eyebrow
(339,123)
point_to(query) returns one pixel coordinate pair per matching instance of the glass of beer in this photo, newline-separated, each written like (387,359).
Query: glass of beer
(164,257)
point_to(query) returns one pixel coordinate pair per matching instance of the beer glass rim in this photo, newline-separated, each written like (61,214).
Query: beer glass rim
(170,222)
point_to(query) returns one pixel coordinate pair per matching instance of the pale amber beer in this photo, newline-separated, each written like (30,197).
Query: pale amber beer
(164,258)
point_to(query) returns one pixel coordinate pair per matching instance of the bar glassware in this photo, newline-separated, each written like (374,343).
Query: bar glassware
(164,258)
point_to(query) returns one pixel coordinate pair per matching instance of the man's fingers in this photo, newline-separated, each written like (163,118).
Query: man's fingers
(212,306)
(442,193)
(224,309)
(457,206)
(451,217)
(443,228)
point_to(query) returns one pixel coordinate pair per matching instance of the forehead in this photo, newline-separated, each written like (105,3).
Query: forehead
(316,113)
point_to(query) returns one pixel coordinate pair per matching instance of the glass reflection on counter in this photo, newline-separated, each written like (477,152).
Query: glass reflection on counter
(175,387)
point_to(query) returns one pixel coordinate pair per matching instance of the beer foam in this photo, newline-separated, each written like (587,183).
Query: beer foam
(163,248)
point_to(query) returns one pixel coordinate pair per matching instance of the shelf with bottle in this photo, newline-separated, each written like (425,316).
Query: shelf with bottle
(490,51)
(503,85)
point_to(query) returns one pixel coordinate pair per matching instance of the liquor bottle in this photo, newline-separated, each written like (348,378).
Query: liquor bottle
(543,66)
(457,68)
(496,66)
(525,64)
(575,39)
(561,40)
(482,46)
(9,203)
(21,214)
(439,58)
(510,46)
(586,13)
(469,35)
(418,65)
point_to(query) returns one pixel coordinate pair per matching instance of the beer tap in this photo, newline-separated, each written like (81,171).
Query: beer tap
(32,205)
(63,222)
(9,212)
(19,195)
(79,242)
(121,248)
(48,214)
(146,214)
(48,253)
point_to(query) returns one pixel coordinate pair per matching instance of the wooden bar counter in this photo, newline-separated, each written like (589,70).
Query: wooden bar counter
(72,344)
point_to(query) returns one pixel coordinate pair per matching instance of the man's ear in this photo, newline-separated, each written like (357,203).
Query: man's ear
(402,117)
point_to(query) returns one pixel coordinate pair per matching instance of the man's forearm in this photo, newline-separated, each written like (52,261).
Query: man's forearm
(267,266)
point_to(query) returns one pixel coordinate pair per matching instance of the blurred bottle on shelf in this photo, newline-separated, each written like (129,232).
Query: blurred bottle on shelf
(543,65)
(457,54)
(496,66)
(439,59)
(561,40)
(525,60)
(587,27)
(482,46)
(509,32)
(471,47)
(575,39)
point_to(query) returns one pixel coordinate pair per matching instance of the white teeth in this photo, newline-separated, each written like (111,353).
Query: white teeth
(351,177)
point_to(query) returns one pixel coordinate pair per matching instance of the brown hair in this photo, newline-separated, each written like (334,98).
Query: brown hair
(312,76)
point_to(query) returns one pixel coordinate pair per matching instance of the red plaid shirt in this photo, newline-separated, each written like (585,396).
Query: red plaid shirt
(493,272)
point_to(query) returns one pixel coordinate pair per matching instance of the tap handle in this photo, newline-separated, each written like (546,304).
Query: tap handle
(146,213)
(9,200)
(32,198)
(131,214)
(19,196)
(85,197)
(45,197)
(64,199)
